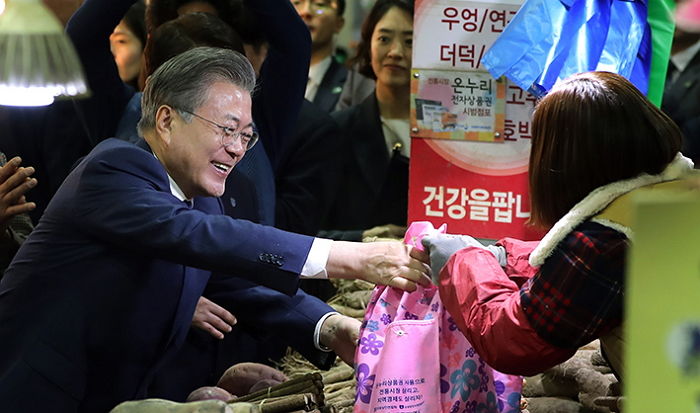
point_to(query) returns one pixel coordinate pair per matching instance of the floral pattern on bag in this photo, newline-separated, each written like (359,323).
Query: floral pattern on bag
(411,357)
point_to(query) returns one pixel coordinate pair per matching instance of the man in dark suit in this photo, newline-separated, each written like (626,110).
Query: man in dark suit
(104,290)
(327,76)
(307,180)
(374,180)
(681,100)
(307,176)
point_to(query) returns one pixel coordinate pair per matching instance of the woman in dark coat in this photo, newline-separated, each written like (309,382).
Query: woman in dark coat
(374,186)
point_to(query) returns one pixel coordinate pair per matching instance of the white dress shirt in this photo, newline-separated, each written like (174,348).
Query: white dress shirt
(316,74)
(397,135)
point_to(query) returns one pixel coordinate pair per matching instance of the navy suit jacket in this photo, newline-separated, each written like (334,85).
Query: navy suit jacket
(283,74)
(331,86)
(307,175)
(104,289)
(681,102)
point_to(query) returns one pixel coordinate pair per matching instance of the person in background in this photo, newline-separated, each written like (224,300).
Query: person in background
(127,43)
(357,86)
(305,172)
(15,224)
(331,86)
(327,76)
(306,180)
(355,90)
(681,100)
(527,306)
(373,195)
(161,11)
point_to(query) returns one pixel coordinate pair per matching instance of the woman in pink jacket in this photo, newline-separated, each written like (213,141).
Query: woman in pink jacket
(527,306)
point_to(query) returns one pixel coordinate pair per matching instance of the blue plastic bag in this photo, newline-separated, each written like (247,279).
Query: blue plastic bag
(549,40)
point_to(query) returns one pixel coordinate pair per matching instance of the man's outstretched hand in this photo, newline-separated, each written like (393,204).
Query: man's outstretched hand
(389,263)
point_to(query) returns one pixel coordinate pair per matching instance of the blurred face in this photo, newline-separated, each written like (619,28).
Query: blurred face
(196,6)
(127,50)
(391,48)
(195,155)
(322,19)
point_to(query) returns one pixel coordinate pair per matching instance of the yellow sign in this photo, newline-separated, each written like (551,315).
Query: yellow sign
(662,359)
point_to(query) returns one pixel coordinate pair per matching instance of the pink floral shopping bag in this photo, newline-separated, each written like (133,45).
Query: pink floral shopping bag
(411,357)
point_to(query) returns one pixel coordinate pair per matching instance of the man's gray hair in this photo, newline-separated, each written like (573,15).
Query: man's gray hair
(183,82)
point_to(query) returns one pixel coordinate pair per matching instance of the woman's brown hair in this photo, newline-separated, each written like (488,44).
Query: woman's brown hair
(593,129)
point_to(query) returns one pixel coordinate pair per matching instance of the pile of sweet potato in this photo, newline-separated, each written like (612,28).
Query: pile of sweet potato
(583,383)
(239,380)
(166,406)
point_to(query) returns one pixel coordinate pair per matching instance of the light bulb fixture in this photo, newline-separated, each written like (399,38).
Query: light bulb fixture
(37,59)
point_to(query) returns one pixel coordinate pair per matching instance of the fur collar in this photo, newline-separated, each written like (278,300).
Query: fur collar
(600,198)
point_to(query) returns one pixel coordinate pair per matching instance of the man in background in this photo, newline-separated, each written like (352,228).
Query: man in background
(681,99)
(324,18)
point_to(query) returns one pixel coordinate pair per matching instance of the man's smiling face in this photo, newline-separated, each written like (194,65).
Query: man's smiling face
(196,157)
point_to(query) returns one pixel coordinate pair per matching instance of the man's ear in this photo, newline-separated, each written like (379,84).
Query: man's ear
(164,123)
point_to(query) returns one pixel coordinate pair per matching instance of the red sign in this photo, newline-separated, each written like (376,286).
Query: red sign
(475,201)
(477,188)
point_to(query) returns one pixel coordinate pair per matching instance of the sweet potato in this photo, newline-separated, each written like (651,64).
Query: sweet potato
(239,378)
(263,384)
(210,393)
(165,406)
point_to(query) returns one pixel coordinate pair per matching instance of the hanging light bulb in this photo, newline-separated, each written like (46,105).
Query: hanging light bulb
(37,60)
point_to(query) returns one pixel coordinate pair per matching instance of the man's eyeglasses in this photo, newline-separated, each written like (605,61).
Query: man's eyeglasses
(315,6)
(229,135)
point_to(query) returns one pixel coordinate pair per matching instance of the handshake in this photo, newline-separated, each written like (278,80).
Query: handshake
(442,246)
